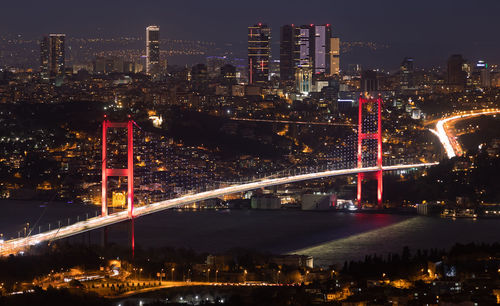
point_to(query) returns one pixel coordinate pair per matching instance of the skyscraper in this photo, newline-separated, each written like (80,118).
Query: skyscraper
(304,59)
(321,47)
(153,51)
(308,46)
(305,54)
(44,59)
(456,74)
(334,65)
(407,72)
(259,53)
(288,48)
(52,57)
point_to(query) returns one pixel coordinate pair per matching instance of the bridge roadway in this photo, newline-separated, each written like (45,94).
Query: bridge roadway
(293,122)
(15,246)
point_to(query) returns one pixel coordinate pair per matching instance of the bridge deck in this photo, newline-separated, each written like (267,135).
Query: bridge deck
(16,245)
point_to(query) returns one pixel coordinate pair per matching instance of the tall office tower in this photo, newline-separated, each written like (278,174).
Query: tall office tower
(407,73)
(334,66)
(321,47)
(305,54)
(304,59)
(456,74)
(288,49)
(44,59)
(52,57)
(308,46)
(153,51)
(259,53)
(56,55)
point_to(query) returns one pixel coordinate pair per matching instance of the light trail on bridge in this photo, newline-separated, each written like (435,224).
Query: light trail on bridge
(448,141)
(15,246)
(293,122)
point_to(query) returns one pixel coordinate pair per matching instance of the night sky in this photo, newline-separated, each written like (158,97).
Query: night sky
(429,30)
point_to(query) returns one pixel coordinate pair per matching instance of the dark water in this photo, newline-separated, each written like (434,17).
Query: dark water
(330,237)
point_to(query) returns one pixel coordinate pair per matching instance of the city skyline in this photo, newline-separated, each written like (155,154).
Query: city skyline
(250,153)
(427,31)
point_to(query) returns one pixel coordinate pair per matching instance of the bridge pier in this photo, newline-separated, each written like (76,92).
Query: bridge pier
(104,237)
(132,237)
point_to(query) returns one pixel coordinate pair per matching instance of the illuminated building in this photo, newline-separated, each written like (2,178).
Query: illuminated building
(259,53)
(228,74)
(52,57)
(484,74)
(303,79)
(153,51)
(305,53)
(334,65)
(321,47)
(407,72)
(44,59)
(308,46)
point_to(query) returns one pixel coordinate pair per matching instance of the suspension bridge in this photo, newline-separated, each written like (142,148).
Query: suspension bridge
(369,136)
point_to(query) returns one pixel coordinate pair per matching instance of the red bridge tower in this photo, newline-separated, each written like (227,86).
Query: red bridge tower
(128,172)
(362,135)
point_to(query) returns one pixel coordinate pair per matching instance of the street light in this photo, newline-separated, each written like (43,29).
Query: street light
(278,277)
(172,273)
(245,276)
(208,275)
(216,271)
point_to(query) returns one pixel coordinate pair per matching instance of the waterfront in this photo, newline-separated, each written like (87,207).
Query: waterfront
(330,237)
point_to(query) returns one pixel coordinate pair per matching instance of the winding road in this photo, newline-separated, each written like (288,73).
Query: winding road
(447,138)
